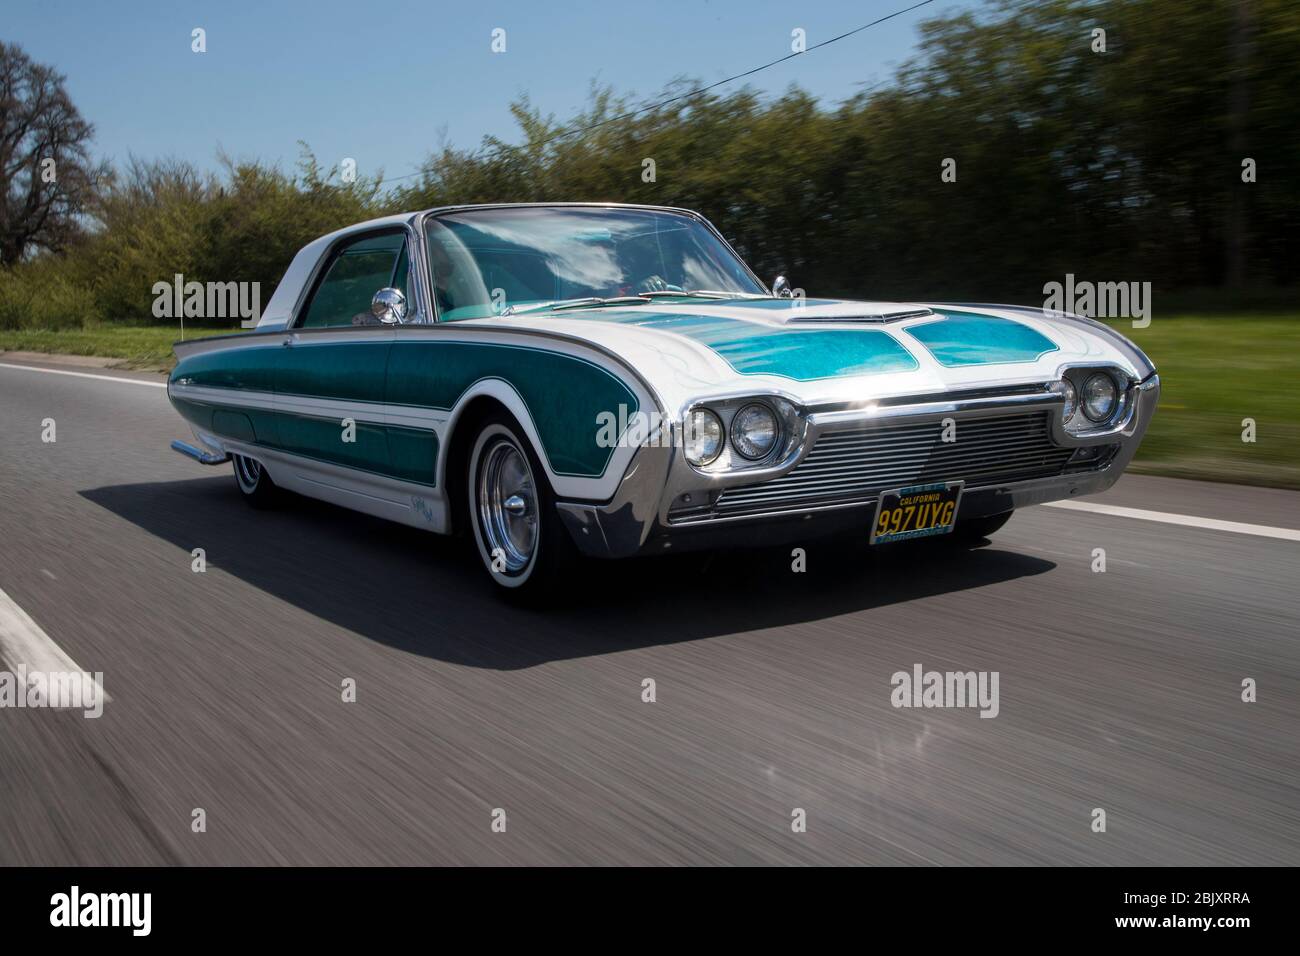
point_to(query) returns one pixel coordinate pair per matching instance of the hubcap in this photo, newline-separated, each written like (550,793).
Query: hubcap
(248,471)
(507,505)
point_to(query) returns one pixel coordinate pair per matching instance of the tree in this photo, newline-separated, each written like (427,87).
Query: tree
(47,178)
(1236,231)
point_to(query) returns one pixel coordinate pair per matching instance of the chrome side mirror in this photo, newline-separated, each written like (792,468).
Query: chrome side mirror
(781,288)
(389,306)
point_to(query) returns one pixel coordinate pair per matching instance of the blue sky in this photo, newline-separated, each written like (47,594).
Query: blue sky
(384,83)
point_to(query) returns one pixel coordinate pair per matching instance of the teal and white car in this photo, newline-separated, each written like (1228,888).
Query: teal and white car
(608,380)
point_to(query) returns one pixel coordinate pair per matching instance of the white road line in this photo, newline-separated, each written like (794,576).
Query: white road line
(105,378)
(23,643)
(1190,521)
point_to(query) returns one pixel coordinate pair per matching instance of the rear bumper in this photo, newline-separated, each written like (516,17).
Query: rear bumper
(636,519)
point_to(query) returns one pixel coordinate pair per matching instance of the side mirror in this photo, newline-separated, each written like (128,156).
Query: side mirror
(781,288)
(389,306)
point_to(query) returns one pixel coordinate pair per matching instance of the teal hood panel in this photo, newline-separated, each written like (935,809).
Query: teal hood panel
(752,348)
(969,338)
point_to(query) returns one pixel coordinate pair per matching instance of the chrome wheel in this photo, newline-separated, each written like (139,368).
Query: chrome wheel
(507,505)
(248,472)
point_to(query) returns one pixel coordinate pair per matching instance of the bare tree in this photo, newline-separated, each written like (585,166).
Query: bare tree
(47,178)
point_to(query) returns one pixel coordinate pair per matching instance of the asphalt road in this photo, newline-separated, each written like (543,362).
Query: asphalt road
(1118,690)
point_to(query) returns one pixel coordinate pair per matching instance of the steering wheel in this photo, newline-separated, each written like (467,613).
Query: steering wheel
(657,283)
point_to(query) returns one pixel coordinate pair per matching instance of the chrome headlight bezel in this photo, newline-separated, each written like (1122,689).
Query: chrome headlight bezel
(1078,423)
(791,426)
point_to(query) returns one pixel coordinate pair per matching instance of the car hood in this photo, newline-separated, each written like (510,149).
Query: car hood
(830,351)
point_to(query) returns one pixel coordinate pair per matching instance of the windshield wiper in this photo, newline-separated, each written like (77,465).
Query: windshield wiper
(593,300)
(698,293)
(570,303)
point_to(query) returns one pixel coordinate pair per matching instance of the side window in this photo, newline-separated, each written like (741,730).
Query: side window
(359,270)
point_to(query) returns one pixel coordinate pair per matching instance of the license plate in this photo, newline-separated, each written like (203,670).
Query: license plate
(916,512)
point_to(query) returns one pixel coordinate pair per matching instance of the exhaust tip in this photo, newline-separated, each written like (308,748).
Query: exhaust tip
(198,454)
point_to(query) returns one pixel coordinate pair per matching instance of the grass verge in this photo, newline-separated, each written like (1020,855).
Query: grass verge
(1215,373)
(137,346)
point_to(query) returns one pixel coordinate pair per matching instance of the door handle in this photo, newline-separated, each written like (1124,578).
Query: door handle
(289,341)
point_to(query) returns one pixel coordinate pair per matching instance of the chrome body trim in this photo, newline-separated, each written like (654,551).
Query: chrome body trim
(621,526)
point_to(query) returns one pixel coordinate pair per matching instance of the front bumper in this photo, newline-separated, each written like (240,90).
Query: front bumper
(637,519)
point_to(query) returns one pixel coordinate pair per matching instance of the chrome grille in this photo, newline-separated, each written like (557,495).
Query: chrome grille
(851,466)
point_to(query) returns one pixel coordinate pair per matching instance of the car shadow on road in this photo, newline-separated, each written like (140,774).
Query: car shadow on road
(426,595)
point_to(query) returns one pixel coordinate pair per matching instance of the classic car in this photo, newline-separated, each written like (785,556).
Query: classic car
(565,380)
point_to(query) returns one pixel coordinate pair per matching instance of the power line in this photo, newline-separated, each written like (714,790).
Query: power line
(687,95)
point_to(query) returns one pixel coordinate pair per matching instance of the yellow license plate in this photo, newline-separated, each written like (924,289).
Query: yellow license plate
(916,512)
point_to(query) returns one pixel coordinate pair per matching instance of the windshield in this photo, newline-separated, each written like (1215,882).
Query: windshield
(489,261)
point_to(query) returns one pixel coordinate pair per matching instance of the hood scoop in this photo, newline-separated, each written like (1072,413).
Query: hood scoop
(874,318)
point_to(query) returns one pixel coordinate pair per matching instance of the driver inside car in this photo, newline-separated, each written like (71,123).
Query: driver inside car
(444,267)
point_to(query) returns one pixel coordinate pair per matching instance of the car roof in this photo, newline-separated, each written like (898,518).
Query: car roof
(402,218)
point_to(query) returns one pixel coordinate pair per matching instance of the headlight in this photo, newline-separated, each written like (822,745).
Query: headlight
(703,439)
(1071,396)
(1099,397)
(754,431)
